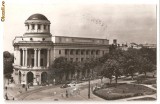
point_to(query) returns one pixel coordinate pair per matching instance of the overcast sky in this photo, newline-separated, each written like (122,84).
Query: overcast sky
(124,22)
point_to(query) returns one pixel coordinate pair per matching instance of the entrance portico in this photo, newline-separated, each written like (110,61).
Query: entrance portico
(34,57)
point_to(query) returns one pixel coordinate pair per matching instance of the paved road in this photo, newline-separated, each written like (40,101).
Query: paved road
(52,93)
(57,93)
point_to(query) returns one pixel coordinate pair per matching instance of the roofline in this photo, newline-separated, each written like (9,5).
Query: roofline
(81,37)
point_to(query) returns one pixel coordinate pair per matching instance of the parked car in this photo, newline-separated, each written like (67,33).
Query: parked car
(65,86)
(73,83)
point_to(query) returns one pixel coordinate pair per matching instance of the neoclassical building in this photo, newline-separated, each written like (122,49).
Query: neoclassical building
(37,49)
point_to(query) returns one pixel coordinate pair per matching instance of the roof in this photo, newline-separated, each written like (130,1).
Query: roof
(37,17)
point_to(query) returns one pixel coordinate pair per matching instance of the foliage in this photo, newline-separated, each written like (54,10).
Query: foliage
(123,91)
(7,63)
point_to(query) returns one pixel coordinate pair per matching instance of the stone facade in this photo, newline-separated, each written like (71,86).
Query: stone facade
(37,49)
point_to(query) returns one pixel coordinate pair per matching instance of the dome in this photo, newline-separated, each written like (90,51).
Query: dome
(37,17)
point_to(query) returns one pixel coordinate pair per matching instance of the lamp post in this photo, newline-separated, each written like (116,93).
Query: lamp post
(89,86)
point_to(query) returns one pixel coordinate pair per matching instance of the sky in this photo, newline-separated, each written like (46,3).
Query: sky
(132,22)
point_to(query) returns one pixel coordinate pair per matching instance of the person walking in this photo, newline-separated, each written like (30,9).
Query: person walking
(66,94)
(6,96)
(6,88)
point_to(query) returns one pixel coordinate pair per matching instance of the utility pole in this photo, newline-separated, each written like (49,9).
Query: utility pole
(89,85)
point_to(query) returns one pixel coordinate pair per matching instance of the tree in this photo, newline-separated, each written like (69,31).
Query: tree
(58,67)
(8,60)
(110,68)
(130,62)
(145,66)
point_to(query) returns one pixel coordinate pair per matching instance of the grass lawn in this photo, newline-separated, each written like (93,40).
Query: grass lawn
(149,81)
(123,91)
(145,98)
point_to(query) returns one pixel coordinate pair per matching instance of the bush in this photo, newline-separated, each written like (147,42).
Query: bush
(122,91)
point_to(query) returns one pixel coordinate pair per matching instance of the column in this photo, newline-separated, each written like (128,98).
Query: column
(26,58)
(48,55)
(35,57)
(23,57)
(18,57)
(39,57)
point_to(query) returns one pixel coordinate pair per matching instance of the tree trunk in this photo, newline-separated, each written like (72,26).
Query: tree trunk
(132,76)
(110,80)
(116,79)
(145,73)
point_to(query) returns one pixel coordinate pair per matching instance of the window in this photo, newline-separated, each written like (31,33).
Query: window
(43,39)
(44,27)
(76,59)
(71,59)
(82,52)
(59,51)
(91,52)
(32,26)
(66,52)
(86,52)
(97,52)
(28,27)
(42,51)
(81,59)
(41,62)
(32,52)
(76,52)
(71,52)
(32,62)
(39,26)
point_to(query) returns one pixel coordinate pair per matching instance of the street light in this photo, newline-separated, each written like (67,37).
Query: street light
(89,86)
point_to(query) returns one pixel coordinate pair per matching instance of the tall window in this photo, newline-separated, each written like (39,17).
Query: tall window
(44,27)
(28,27)
(81,59)
(32,26)
(42,51)
(103,52)
(39,26)
(97,52)
(76,59)
(71,59)
(91,52)
(87,52)
(59,51)
(41,62)
(76,52)
(66,52)
(71,52)
(82,52)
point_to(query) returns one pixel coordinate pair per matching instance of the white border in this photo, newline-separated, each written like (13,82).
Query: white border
(86,2)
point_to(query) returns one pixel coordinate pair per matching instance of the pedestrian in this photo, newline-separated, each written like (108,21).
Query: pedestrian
(54,81)
(6,97)
(66,94)
(26,88)
(28,85)
(62,95)
(13,98)
(6,87)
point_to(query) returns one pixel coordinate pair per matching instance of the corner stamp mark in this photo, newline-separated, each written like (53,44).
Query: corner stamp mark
(3,11)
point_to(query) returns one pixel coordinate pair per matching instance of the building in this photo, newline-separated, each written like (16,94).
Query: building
(37,49)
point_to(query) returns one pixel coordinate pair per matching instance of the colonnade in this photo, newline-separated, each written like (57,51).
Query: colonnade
(37,57)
